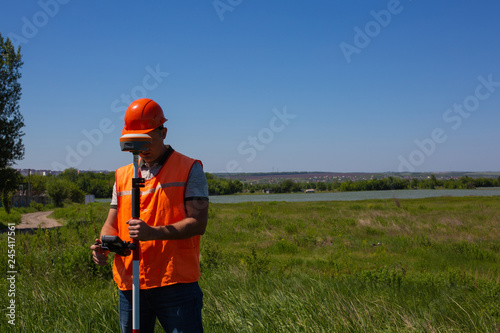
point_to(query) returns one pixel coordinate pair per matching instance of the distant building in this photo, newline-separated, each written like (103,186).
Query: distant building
(310,190)
(22,199)
(26,172)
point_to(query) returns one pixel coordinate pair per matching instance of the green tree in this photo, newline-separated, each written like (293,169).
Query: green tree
(467,182)
(288,186)
(70,174)
(434,181)
(38,184)
(56,189)
(100,188)
(10,179)
(235,186)
(321,186)
(11,120)
(346,186)
(74,193)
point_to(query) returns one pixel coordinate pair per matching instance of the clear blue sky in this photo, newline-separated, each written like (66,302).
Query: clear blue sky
(260,86)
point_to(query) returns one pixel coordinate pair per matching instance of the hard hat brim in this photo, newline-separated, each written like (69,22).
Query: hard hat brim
(124,131)
(143,131)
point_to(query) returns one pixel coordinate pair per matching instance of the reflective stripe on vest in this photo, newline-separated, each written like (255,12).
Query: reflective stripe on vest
(162,262)
(159,186)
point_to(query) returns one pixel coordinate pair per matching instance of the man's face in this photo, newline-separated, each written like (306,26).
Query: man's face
(156,148)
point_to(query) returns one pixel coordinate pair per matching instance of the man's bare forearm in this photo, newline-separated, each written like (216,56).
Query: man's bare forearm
(109,226)
(194,224)
(186,228)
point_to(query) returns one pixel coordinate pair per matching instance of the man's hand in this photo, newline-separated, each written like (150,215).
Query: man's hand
(99,255)
(140,230)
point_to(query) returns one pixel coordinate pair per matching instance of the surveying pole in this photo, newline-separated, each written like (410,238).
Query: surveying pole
(135,143)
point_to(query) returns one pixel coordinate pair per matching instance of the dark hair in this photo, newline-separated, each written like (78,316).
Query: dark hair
(160,127)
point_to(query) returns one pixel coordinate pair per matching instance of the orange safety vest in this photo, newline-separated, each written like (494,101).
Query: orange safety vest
(162,262)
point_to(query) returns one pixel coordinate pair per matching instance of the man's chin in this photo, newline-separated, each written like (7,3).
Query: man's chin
(146,158)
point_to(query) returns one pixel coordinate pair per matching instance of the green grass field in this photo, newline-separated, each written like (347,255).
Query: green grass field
(424,265)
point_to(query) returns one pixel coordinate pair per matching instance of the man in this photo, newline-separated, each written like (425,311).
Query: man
(173,215)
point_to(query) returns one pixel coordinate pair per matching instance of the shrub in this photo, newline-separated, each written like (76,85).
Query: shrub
(210,256)
(283,247)
(35,205)
(257,264)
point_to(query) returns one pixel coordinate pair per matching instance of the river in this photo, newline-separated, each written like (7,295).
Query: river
(352,196)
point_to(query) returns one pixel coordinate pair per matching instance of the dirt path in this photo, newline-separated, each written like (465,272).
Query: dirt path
(37,220)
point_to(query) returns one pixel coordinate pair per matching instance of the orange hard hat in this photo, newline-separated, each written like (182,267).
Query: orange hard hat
(143,116)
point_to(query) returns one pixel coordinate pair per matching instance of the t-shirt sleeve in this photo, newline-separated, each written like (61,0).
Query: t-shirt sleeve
(114,200)
(197,186)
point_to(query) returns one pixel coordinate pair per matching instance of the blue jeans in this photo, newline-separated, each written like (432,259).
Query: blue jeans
(177,307)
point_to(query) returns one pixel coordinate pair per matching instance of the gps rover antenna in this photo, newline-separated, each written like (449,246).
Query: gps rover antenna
(135,143)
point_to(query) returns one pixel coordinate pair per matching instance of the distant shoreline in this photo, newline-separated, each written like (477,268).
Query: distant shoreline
(356,195)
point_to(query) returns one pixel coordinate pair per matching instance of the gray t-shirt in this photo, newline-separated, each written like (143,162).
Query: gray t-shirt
(196,187)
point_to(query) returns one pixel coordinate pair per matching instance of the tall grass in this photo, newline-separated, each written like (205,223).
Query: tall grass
(426,265)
